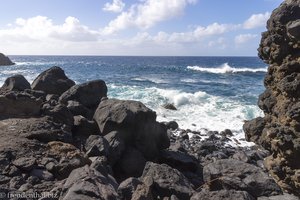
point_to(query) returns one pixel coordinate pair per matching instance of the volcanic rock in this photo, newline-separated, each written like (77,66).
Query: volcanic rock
(278,130)
(15,83)
(52,81)
(87,94)
(4,60)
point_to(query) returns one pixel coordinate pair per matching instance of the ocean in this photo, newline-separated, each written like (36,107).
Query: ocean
(210,93)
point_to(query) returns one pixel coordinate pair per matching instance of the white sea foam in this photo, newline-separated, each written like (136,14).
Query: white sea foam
(188,80)
(150,79)
(196,111)
(226,68)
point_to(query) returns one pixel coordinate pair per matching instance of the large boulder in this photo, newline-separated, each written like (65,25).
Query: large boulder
(278,131)
(233,174)
(137,122)
(15,83)
(4,60)
(52,81)
(88,94)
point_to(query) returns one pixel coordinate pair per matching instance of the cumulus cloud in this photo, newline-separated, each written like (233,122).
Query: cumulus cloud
(256,21)
(243,38)
(147,13)
(116,6)
(41,28)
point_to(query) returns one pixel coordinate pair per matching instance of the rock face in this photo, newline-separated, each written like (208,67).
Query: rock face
(137,122)
(4,60)
(52,81)
(15,83)
(279,130)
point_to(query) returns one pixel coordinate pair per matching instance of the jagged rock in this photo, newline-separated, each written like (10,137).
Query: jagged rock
(96,145)
(172,125)
(88,94)
(279,197)
(60,113)
(116,146)
(166,181)
(84,127)
(88,183)
(4,60)
(233,174)
(52,81)
(222,195)
(128,187)
(42,174)
(137,122)
(78,109)
(278,130)
(15,83)
(169,106)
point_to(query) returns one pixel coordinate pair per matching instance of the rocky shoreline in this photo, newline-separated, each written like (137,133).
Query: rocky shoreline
(61,140)
(69,141)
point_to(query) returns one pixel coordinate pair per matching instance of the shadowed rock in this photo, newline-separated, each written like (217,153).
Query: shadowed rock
(4,60)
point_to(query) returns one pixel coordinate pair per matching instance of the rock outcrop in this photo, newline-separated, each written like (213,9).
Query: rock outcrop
(279,130)
(52,81)
(4,60)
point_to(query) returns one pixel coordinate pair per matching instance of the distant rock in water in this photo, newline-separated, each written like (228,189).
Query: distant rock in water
(4,60)
(279,130)
(169,106)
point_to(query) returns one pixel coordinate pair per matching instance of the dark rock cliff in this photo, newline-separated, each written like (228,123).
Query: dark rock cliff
(279,130)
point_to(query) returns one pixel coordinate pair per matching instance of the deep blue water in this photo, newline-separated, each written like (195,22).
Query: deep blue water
(209,92)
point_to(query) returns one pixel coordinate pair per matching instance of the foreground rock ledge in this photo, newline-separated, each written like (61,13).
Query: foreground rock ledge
(279,130)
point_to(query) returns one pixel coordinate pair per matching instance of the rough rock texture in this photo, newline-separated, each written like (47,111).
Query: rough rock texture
(279,130)
(88,94)
(15,83)
(4,60)
(52,81)
(137,122)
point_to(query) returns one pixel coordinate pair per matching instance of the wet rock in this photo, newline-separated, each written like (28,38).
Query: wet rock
(87,94)
(169,106)
(52,81)
(233,174)
(15,83)
(172,125)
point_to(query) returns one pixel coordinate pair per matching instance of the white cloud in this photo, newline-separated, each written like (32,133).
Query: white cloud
(116,6)
(42,28)
(243,38)
(147,13)
(256,21)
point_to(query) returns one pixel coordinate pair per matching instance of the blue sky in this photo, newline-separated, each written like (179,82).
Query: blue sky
(134,27)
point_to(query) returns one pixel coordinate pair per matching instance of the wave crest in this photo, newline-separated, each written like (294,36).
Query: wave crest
(226,68)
